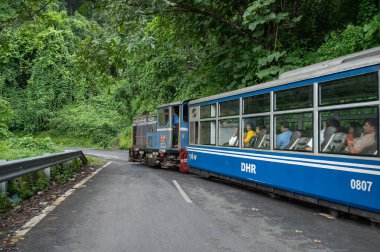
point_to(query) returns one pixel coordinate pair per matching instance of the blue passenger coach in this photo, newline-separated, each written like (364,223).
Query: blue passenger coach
(311,135)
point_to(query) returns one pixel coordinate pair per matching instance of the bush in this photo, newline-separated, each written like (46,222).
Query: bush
(17,148)
(63,172)
(4,202)
(95,120)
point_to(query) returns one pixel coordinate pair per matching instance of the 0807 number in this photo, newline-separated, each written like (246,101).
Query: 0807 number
(361,185)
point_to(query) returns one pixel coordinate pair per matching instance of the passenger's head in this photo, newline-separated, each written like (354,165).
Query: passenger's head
(331,121)
(284,126)
(324,124)
(370,126)
(355,129)
(259,128)
(249,126)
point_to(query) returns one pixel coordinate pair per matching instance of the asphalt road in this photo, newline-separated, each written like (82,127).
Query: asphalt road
(130,207)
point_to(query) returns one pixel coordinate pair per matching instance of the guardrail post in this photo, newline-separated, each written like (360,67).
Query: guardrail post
(47,173)
(3,185)
(47,170)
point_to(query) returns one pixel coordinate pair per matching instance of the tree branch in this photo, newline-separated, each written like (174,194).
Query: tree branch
(186,8)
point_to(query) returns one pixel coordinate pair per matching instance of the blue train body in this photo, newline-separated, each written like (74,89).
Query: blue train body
(333,179)
(212,135)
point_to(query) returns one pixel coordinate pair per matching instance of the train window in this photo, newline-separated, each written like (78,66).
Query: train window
(208,133)
(194,132)
(256,104)
(208,111)
(229,132)
(163,117)
(185,113)
(295,98)
(294,132)
(350,131)
(349,90)
(152,128)
(229,108)
(134,135)
(257,132)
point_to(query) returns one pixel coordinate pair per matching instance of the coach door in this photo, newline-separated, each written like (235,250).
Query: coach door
(175,120)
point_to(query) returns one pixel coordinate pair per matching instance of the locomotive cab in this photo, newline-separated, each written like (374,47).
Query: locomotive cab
(171,139)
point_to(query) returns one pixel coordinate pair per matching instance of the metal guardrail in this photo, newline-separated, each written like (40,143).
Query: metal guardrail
(14,169)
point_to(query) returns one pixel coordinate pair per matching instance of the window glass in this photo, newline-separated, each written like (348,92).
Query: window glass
(354,89)
(294,98)
(194,132)
(208,133)
(256,104)
(256,132)
(163,117)
(229,132)
(152,128)
(208,111)
(294,132)
(350,131)
(229,108)
(134,135)
(185,113)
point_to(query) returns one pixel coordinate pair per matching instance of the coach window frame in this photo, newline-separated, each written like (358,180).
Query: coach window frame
(212,118)
(254,115)
(237,116)
(358,105)
(276,113)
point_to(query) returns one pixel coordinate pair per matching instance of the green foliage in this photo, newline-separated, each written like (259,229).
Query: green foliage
(23,147)
(124,139)
(63,172)
(21,186)
(94,120)
(85,77)
(4,202)
(352,39)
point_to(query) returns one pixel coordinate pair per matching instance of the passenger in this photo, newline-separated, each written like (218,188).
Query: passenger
(175,128)
(357,145)
(332,126)
(322,132)
(261,130)
(250,133)
(234,138)
(283,139)
(321,137)
(354,131)
(175,119)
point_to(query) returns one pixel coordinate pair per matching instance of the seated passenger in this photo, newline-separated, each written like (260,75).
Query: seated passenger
(357,145)
(261,130)
(332,126)
(283,139)
(309,146)
(354,131)
(234,138)
(250,134)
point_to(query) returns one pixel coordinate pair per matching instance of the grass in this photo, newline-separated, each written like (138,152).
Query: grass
(95,161)
(68,141)
(22,147)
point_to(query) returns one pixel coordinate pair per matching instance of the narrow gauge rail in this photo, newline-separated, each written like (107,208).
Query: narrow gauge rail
(311,135)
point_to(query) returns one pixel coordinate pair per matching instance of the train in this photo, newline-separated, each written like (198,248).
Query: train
(311,135)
